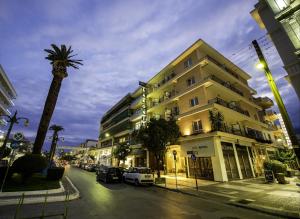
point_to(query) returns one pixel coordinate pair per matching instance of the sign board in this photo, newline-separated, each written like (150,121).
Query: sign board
(193,157)
(14,144)
(18,136)
(269,176)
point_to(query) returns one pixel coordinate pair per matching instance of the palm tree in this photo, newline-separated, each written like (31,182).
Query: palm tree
(60,59)
(56,129)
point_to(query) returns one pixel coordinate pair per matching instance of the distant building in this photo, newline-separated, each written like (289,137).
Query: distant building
(199,81)
(7,94)
(281,18)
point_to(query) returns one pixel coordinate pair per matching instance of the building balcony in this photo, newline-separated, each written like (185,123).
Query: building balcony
(137,114)
(214,65)
(230,105)
(225,84)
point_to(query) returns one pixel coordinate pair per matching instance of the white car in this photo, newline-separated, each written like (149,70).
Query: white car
(138,175)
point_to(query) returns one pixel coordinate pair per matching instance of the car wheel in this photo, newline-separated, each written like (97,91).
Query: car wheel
(136,182)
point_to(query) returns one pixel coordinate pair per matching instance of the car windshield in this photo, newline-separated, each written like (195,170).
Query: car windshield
(114,170)
(146,170)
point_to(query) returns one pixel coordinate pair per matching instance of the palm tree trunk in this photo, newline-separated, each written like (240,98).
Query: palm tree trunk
(47,114)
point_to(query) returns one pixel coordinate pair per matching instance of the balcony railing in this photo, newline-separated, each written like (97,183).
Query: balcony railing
(229,105)
(228,70)
(242,131)
(225,84)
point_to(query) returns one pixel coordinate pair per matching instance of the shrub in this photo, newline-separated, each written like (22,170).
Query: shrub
(55,173)
(275,165)
(29,164)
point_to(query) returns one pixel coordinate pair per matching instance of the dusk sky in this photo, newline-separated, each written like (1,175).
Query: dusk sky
(121,42)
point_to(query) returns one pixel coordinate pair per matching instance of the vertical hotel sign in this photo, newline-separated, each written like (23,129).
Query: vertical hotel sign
(144,102)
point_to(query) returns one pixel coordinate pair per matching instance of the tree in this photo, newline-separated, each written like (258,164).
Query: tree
(156,135)
(56,129)
(216,118)
(121,152)
(60,59)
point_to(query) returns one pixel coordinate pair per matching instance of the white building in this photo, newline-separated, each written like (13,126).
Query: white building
(7,94)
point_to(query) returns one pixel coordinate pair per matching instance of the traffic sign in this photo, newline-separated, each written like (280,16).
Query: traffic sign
(14,144)
(18,136)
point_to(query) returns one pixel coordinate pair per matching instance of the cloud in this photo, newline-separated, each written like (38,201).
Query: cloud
(121,42)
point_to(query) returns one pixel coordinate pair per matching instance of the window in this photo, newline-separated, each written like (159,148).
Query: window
(194,101)
(190,81)
(188,63)
(197,126)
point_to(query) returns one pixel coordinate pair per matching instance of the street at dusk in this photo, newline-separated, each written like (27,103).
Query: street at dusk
(127,201)
(150,109)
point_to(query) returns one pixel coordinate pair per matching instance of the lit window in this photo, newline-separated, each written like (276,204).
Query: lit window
(188,63)
(137,126)
(190,81)
(194,101)
(197,126)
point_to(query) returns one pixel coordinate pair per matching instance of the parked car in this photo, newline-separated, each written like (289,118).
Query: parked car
(91,167)
(108,174)
(138,175)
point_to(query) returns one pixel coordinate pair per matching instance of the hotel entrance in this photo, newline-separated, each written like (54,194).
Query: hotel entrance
(229,159)
(202,167)
(244,161)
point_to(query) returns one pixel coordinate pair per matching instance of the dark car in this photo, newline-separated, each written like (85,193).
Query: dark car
(91,167)
(108,174)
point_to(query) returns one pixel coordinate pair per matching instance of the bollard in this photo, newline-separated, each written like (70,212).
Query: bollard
(44,205)
(20,203)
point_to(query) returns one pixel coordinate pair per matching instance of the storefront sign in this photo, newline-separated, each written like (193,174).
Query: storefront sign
(269,176)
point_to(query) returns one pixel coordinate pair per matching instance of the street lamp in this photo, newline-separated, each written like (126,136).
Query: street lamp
(12,120)
(174,154)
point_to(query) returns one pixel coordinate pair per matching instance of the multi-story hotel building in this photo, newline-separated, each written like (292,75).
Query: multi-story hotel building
(7,94)
(199,81)
(281,18)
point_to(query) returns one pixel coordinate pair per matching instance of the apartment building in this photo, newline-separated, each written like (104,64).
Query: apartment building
(7,94)
(281,18)
(115,129)
(197,84)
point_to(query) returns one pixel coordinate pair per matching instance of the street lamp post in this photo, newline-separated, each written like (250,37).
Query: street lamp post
(286,119)
(174,154)
(11,120)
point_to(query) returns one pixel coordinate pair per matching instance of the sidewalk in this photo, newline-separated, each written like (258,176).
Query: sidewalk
(54,195)
(254,193)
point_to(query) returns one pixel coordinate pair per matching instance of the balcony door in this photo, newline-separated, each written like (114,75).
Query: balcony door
(244,161)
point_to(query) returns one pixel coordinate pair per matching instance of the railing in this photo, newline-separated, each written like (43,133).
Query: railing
(229,105)
(225,84)
(253,134)
(229,71)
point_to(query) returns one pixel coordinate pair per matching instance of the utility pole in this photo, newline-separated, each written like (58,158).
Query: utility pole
(280,104)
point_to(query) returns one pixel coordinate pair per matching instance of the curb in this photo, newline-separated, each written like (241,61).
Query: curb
(36,200)
(266,210)
(269,210)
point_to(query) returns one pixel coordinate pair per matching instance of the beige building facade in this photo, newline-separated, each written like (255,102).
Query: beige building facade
(220,121)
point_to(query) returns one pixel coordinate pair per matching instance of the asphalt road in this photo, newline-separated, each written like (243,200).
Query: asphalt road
(99,200)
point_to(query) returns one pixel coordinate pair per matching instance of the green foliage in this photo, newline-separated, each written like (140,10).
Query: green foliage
(157,135)
(121,152)
(62,55)
(29,164)
(5,152)
(285,155)
(55,173)
(216,119)
(276,166)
